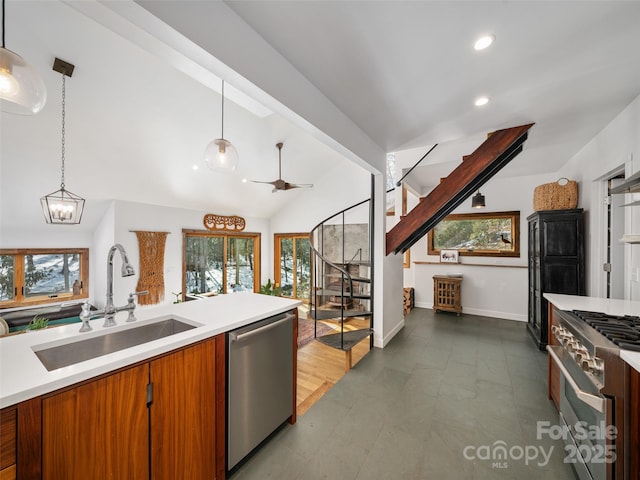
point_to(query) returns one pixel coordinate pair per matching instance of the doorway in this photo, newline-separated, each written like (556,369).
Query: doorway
(614,252)
(292,269)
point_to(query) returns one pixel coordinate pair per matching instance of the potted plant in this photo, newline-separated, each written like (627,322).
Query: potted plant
(37,323)
(270,289)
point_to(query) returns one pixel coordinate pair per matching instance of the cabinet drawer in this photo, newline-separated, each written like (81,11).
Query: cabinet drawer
(8,429)
(8,473)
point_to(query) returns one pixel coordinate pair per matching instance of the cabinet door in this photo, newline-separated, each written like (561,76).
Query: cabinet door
(8,434)
(183,414)
(98,430)
(534,276)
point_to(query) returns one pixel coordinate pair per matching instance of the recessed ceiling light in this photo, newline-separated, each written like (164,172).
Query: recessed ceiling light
(195,166)
(244,180)
(480,101)
(484,42)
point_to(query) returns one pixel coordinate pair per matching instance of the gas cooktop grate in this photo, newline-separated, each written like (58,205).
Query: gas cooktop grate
(624,330)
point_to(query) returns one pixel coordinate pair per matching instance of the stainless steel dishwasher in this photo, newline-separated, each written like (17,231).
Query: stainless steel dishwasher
(259,383)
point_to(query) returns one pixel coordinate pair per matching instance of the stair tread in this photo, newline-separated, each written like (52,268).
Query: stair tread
(353,277)
(364,263)
(361,279)
(328,314)
(341,293)
(346,340)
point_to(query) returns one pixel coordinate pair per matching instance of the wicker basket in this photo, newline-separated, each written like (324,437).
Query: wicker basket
(560,195)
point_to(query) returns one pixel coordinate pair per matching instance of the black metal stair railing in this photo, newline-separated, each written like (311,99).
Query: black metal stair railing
(340,290)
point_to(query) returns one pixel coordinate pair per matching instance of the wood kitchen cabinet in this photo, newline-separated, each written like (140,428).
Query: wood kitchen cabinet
(98,429)
(556,263)
(634,421)
(8,431)
(20,451)
(160,419)
(183,414)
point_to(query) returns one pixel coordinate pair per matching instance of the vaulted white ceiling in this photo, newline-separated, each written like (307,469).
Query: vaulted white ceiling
(140,109)
(406,73)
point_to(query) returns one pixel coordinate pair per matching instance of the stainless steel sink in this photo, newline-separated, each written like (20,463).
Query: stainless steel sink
(79,351)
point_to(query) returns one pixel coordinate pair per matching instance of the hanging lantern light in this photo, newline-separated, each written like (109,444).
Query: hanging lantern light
(62,206)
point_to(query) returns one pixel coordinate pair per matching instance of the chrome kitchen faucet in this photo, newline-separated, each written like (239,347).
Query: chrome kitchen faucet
(110,309)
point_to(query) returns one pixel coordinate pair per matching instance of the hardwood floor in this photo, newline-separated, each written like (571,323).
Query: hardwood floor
(320,367)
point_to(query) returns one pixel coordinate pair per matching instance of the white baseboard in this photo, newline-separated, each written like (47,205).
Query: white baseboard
(484,313)
(381,342)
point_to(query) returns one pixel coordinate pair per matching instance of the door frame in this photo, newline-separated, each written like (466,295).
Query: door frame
(599,248)
(226,235)
(277,237)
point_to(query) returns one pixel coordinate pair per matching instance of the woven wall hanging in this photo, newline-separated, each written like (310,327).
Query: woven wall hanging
(151,277)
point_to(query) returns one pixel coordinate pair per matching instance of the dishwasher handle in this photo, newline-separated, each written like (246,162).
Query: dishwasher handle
(235,337)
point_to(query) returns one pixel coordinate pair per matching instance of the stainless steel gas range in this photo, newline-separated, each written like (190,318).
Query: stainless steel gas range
(589,383)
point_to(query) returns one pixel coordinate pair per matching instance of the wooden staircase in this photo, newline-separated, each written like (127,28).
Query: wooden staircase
(476,169)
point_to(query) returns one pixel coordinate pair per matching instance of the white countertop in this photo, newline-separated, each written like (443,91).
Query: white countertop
(22,376)
(609,306)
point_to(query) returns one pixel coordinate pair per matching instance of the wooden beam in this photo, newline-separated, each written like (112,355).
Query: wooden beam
(499,149)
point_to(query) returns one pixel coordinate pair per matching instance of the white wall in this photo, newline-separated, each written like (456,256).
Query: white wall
(618,144)
(388,318)
(104,237)
(45,235)
(124,217)
(339,188)
(499,289)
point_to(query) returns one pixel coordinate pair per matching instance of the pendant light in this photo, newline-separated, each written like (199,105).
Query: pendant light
(478,200)
(22,90)
(220,155)
(62,206)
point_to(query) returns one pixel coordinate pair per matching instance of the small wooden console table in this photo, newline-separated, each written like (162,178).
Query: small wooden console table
(446,294)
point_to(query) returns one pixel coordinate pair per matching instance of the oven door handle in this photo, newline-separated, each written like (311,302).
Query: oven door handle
(594,401)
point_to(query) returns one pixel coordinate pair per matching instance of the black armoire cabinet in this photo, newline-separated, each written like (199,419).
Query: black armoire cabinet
(556,263)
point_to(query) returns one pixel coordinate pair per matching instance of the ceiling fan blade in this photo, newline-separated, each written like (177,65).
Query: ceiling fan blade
(280,184)
(299,185)
(270,183)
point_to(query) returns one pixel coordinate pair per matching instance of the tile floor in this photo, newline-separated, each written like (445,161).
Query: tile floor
(445,385)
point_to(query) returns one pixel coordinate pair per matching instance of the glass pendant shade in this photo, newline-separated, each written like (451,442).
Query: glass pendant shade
(62,207)
(221,156)
(22,90)
(478,201)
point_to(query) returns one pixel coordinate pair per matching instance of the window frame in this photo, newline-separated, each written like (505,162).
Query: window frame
(257,248)
(515,234)
(277,254)
(20,300)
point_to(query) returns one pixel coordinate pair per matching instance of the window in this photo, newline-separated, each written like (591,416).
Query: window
(220,262)
(293,264)
(391,184)
(480,234)
(35,276)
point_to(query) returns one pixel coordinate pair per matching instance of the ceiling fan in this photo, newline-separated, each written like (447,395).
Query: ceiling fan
(280,184)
